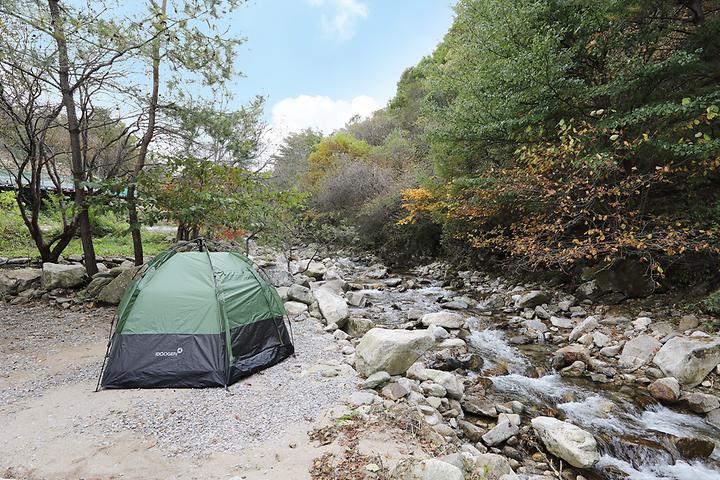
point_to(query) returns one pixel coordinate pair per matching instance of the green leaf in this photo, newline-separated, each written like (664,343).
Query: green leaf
(686,101)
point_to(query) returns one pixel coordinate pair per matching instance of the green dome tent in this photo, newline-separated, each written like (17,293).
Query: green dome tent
(196,319)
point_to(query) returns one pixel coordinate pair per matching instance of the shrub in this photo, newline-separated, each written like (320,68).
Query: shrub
(712,304)
(106,223)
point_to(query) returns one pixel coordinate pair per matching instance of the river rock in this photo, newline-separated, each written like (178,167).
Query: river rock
(561,322)
(638,352)
(112,293)
(452,383)
(15,281)
(278,277)
(312,268)
(507,426)
(714,417)
(600,339)
(693,448)
(641,323)
(300,294)
(358,326)
(568,355)
(295,308)
(665,389)
(362,398)
(532,299)
(392,351)
(478,405)
(688,322)
(55,275)
(356,299)
(567,441)
(430,469)
(689,359)
(333,307)
(471,431)
(702,402)
(491,466)
(535,325)
(586,326)
(394,391)
(610,351)
(443,319)
(377,379)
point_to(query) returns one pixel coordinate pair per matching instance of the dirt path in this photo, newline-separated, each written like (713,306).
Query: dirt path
(55,426)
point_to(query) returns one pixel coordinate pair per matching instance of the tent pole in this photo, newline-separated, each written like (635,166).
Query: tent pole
(107,353)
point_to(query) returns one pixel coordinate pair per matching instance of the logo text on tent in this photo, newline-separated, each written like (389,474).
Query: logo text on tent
(169,354)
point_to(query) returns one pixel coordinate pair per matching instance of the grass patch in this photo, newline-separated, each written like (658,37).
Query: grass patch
(111,245)
(16,242)
(111,235)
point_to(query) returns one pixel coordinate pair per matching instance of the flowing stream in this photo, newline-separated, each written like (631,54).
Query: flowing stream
(634,436)
(634,441)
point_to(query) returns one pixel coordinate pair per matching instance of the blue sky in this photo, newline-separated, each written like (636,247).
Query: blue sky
(321,61)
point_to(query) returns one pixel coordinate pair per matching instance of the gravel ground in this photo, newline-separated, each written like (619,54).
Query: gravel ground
(186,422)
(33,338)
(31,332)
(254,410)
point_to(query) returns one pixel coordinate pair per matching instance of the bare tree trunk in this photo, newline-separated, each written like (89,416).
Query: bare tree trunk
(78,170)
(147,138)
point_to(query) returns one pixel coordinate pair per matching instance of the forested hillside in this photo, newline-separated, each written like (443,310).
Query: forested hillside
(554,134)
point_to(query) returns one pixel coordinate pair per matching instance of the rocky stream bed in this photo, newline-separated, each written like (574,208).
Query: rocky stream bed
(524,356)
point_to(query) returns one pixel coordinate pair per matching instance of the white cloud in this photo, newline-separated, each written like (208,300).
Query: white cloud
(318,112)
(346,14)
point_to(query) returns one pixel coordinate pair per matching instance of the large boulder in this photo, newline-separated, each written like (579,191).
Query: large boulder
(623,278)
(392,351)
(638,352)
(300,294)
(533,299)
(567,441)
(443,319)
(15,281)
(689,359)
(55,275)
(112,293)
(430,469)
(333,307)
(95,285)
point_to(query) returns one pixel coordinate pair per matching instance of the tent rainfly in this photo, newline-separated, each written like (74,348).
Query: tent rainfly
(196,319)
